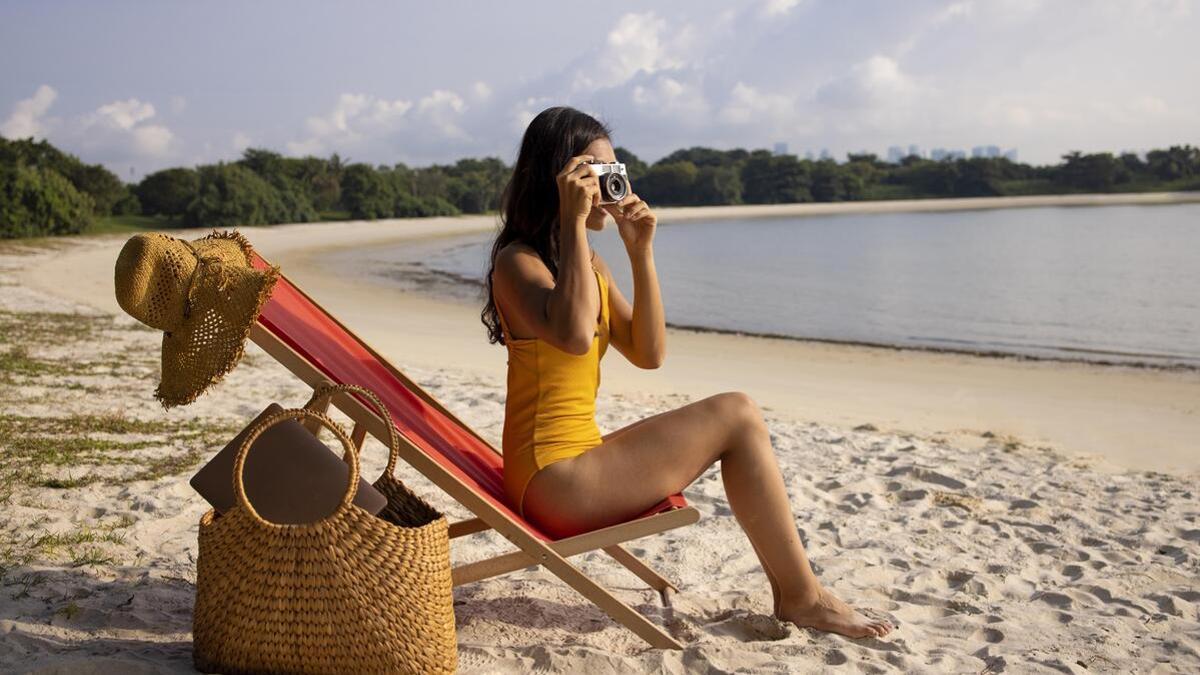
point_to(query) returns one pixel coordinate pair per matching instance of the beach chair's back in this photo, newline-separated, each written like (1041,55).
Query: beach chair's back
(292,317)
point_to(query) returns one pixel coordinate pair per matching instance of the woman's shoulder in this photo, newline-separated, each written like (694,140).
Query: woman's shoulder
(516,254)
(515,247)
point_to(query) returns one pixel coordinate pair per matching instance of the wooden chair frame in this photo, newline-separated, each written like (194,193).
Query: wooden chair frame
(531,550)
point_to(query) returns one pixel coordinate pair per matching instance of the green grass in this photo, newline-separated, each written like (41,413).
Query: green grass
(81,547)
(132,223)
(23,328)
(66,452)
(17,361)
(69,611)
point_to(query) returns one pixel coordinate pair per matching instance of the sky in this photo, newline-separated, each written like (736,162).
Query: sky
(140,86)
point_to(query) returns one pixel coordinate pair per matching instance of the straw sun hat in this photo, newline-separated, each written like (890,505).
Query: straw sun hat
(204,294)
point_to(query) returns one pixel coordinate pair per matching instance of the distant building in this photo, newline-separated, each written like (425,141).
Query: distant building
(808,155)
(825,154)
(938,154)
(895,154)
(915,151)
(1011,155)
(780,148)
(985,151)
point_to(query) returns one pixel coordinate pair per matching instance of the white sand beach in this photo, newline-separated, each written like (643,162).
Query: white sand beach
(1008,515)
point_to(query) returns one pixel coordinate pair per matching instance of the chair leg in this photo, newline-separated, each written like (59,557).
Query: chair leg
(641,569)
(619,611)
(570,575)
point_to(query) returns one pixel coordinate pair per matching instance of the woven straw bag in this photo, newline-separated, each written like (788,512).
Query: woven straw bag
(350,593)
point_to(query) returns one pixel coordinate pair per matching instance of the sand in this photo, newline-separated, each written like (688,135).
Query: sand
(1007,515)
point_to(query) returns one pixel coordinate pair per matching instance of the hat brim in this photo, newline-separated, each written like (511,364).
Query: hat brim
(211,340)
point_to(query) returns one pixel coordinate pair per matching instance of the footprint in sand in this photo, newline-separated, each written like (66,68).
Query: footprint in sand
(928,476)
(990,635)
(749,626)
(1072,572)
(836,657)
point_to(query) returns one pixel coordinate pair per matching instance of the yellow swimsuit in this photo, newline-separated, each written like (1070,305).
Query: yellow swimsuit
(550,407)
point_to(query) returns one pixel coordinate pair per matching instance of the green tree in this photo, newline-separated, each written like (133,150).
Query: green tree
(38,201)
(716,185)
(635,167)
(366,193)
(94,180)
(1095,172)
(669,183)
(1178,161)
(168,192)
(775,179)
(284,175)
(230,195)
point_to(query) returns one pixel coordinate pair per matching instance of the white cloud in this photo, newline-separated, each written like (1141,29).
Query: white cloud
(524,111)
(116,132)
(353,118)
(442,109)
(366,123)
(875,82)
(481,91)
(748,105)
(120,130)
(778,7)
(26,118)
(122,114)
(669,97)
(636,43)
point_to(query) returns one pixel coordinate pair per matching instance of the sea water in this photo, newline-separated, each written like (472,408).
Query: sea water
(1117,284)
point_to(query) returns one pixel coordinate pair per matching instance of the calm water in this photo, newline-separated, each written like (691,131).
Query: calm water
(1114,283)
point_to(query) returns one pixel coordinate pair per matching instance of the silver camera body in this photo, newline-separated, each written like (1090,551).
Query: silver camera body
(614,182)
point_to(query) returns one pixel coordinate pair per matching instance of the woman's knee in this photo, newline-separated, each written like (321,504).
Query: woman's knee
(740,411)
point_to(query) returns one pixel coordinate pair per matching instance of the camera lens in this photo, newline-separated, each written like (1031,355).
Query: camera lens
(616,186)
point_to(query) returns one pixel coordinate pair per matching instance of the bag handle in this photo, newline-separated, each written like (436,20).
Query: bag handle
(328,389)
(239,463)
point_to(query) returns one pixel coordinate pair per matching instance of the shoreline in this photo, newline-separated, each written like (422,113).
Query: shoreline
(686,213)
(441,285)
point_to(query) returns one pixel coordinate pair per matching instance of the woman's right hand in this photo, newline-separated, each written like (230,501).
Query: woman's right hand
(578,191)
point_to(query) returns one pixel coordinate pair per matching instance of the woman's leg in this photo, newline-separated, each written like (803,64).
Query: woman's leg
(631,471)
(770,575)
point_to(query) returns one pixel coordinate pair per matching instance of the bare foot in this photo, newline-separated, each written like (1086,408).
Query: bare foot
(831,615)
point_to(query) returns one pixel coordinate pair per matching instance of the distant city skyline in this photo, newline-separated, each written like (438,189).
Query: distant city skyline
(142,86)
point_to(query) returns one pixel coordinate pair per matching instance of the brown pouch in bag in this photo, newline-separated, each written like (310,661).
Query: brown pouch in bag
(291,477)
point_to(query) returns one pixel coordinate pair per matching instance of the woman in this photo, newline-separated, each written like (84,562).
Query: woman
(553,302)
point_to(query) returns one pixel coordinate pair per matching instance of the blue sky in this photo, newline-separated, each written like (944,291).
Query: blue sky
(139,86)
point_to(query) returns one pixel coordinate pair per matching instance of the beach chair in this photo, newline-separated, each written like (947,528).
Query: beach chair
(317,348)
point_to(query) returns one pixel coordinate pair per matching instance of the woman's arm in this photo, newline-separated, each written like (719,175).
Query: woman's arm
(560,311)
(575,300)
(640,331)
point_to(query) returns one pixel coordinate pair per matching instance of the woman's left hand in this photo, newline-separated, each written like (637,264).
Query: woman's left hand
(635,221)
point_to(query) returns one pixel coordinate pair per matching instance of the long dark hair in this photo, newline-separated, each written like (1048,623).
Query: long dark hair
(529,203)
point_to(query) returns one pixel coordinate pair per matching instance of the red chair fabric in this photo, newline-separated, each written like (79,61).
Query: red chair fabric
(344,359)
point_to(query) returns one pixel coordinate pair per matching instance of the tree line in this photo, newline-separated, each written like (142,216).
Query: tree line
(44,190)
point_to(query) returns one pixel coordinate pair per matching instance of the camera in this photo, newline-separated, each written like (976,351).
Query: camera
(614,182)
